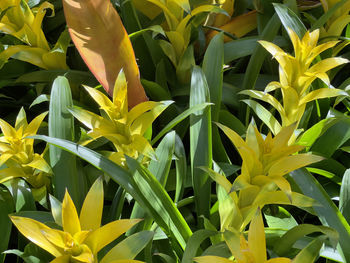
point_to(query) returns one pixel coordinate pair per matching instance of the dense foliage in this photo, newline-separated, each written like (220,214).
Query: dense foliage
(174,131)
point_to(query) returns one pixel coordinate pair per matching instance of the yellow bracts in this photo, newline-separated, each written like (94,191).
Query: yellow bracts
(338,21)
(124,128)
(81,237)
(18,154)
(296,75)
(243,251)
(265,162)
(25,24)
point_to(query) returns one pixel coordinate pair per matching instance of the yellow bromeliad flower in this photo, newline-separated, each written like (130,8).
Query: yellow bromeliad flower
(124,128)
(243,251)
(296,75)
(177,26)
(265,161)
(338,21)
(23,23)
(18,155)
(82,236)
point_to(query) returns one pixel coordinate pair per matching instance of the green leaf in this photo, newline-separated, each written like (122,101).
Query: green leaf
(209,226)
(32,254)
(283,246)
(185,64)
(213,63)
(21,194)
(164,152)
(290,20)
(161,207)
(116,208)
(200,142)
(213,69)
(258,56)
(281,219)
(333,138)
(326,16)
(6,207)
(160,169)
(178,119)
(61,125)
(193,244)
(312,134)
(74,76)
(165,258)
(56,210)
(40,99)
(157,29)
(231,121)
(310,253)
(129,247)
(264,115)
(181,168)
(155,91)
(344,197)
(336,179)
(147,191)
(239,48)
(328,213)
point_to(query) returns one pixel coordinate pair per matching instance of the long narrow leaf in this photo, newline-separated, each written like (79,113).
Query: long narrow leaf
(239,48)
(181,168)
(291,236)
(165,210)
(160,206)
(213,69)
(129,247)
(333,138)
(290,20)
(258,57)
(178,119)
(6,207)
(326,16)
(160,168)
(194,243)
(344,197)
(200,142)
(264,115)
(61,125)
(310,252)
(328,213)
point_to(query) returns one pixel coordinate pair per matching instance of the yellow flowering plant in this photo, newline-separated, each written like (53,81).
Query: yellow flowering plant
(338,21)
(178,15)
(265,162)
(17,153)
(254,249)
(18,20)
(124,128)
(243,251)
(296,74)
(81,237)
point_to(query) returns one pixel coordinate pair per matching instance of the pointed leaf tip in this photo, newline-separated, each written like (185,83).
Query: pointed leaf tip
(100,37)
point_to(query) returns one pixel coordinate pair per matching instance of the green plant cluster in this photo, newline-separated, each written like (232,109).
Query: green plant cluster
(174,131)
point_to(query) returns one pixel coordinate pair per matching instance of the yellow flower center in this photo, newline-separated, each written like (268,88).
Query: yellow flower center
(73,248)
